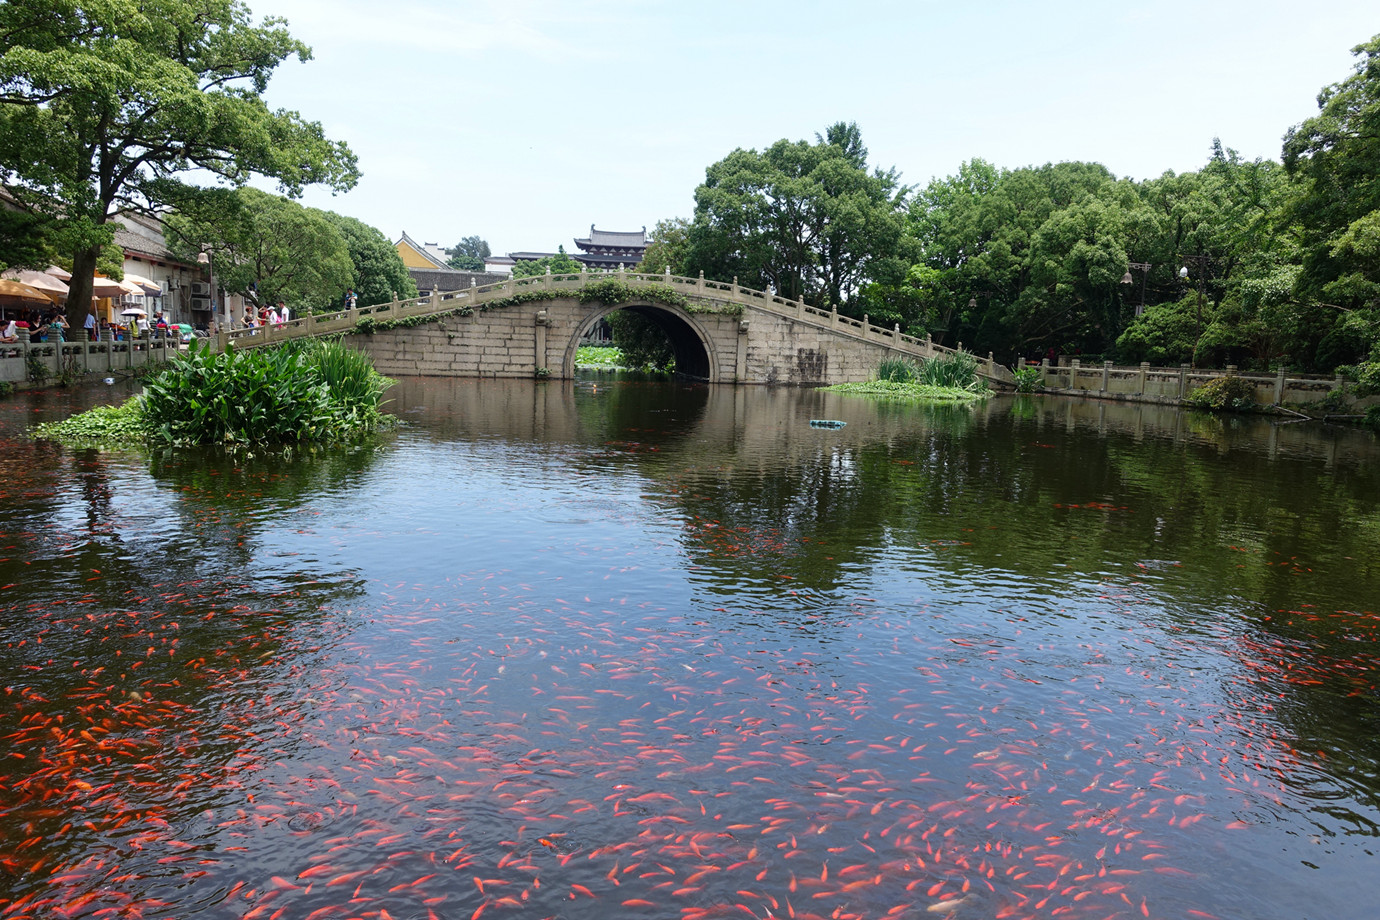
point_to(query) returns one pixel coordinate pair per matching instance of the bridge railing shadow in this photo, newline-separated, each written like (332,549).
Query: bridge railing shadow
(477,296)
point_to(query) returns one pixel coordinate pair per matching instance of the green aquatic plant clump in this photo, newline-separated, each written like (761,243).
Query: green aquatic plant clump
(956,369)
(310,390)
(897,370)
(1029,379)
(103,426)
(909,390)
(944,378)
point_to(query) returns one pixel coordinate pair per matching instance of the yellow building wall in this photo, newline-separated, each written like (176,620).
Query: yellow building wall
(412,258)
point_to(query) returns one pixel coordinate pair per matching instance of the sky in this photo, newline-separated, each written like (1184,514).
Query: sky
(526,121)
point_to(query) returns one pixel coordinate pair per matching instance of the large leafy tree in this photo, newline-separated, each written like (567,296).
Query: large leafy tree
(1335,159)
(808,220)
(379,272)
(105,104)
(667,248)
(469,254)
(266,247)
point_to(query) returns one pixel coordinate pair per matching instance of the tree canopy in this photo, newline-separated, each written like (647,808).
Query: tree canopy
(105,106)
(558,264)
(807,220)
(379,272)
(266,247)
(469,254)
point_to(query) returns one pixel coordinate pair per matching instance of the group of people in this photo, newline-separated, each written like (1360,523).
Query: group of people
(266,316)
(39,324)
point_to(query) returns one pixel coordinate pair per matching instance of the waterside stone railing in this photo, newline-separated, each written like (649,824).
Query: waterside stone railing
(32,360)
(1143,383)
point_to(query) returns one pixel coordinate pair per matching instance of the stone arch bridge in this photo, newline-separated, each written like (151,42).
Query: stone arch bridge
(525,327)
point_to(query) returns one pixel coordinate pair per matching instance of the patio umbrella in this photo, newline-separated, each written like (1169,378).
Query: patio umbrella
(104,287)
(48,284)
(147,287)
(58,272)
(10,288)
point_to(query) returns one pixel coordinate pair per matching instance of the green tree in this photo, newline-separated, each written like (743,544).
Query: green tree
(25,240)
(469,254)
(667,248)
(379,272)
(806,219)
(1335,159)
(558,264)
(103,105)
(266,247)
(641,342)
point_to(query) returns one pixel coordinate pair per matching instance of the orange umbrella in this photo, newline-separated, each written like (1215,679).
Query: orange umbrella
(19,289)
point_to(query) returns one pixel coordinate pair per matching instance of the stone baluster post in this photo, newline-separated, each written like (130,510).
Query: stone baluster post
(699,285)
(1183,380)
(1279,386)
(1106,375)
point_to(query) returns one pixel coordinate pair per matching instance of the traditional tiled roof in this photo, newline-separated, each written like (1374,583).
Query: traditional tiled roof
(142,235)
(603,239)
(449,279)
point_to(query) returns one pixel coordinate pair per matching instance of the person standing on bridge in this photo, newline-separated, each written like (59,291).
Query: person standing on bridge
(351,298)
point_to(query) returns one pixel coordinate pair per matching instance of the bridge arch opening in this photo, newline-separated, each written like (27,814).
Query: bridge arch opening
(689,344)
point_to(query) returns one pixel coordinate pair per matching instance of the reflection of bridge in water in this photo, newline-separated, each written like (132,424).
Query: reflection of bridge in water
(525,327)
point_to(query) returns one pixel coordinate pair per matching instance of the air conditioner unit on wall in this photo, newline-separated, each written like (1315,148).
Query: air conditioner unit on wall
(201,288)
(201,303)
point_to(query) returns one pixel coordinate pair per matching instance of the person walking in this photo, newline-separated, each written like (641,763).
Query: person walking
(91,325)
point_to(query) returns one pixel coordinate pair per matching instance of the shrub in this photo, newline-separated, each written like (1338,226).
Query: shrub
(1229,393)
(1366,377)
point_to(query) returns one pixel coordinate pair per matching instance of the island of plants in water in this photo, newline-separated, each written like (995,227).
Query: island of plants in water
(943,378)
(299,392)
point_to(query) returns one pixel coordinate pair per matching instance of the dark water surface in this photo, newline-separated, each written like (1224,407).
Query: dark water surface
(636,650)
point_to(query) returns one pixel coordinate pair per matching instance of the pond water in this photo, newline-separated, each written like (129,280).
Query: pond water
(647,650)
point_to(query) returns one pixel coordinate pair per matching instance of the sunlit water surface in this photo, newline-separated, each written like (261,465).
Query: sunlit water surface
(634,650)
